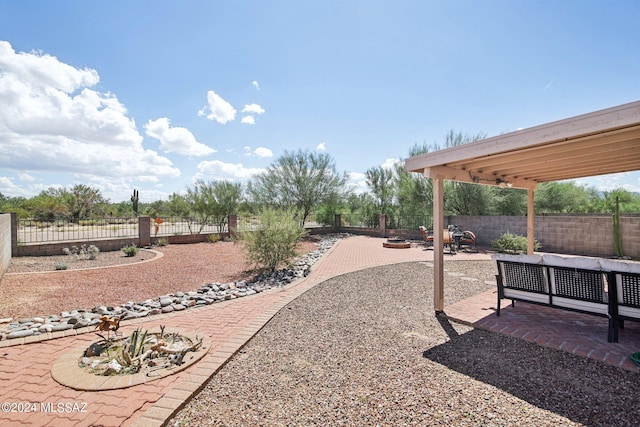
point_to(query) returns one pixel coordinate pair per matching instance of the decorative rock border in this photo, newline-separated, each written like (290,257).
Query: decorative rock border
(67,372)
(209,293)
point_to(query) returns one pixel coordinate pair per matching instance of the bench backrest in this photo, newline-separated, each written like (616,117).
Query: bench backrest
(554,281)
(583,290)
(628,288)
(522,277)
(626,278)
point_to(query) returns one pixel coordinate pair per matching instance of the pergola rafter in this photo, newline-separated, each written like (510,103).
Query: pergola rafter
(598,143)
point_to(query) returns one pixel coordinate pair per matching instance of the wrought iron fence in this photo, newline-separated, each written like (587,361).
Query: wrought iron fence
(409,222)
(358,220)
(31,231)
(252,222)
(248,223)
(175,226)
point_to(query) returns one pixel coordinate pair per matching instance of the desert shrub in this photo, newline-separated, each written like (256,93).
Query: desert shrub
(213,238)
(83,252)
(512,244)
(130,250)
(61,266)
(274,242)
(162,242)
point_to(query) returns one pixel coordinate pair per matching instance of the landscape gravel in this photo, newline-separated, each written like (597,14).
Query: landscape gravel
(366,349)
(26,296)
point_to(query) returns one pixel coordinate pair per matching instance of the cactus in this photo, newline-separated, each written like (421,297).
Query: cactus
(134,200)
(617,234)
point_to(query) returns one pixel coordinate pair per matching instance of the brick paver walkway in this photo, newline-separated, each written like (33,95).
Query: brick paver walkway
(25,365)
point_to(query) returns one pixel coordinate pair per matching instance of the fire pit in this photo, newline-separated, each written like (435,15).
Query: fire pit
(396,243)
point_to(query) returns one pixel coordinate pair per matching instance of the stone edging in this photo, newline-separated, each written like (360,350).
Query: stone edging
(157,253)
(65,371)
(320,253)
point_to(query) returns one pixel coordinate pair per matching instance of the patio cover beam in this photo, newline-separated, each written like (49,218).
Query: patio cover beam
(598,143)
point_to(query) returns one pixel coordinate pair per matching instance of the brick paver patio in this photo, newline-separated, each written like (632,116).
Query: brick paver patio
(25,364)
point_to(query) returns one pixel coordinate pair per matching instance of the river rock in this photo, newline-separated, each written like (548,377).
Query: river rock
(47,327)
(20,334)
(208,293)
(62,327)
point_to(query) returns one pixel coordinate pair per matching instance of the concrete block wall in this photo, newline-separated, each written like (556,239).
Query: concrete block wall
(571,234)
(5,242)
(630,227)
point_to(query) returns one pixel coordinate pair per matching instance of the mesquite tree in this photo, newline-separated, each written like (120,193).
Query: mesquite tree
(302,181)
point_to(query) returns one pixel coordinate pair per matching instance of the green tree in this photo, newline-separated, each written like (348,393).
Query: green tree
(628,202)
(414,191)
(455,139)
(380,182)
(509,201)
(227,197)
(15,205)
(45,207)
(213,201)
(157,208)
(178,205)
(462,198)
(200,201)
(562,197)
(326,213)
(301,180)
(81,201)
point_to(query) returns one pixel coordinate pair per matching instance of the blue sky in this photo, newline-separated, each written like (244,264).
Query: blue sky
(155,94)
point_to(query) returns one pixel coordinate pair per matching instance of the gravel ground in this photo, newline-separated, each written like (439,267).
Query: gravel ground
(48,263)
(365,349)
(182,268)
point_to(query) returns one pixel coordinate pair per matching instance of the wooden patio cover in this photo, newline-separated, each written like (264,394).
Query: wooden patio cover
(598,143)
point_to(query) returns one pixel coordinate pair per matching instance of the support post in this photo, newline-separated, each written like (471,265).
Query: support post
(438,245)
(530,221)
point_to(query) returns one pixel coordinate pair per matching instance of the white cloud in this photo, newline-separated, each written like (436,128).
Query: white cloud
(176,139)
(260,152)
(51,120)
(263,152)
(321,147)
(9,188)
(358,181)
(44,70)
(390,163)
(256,84)
(218,170)
(219,110)
(25,177)
(253,109)
(629,181)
